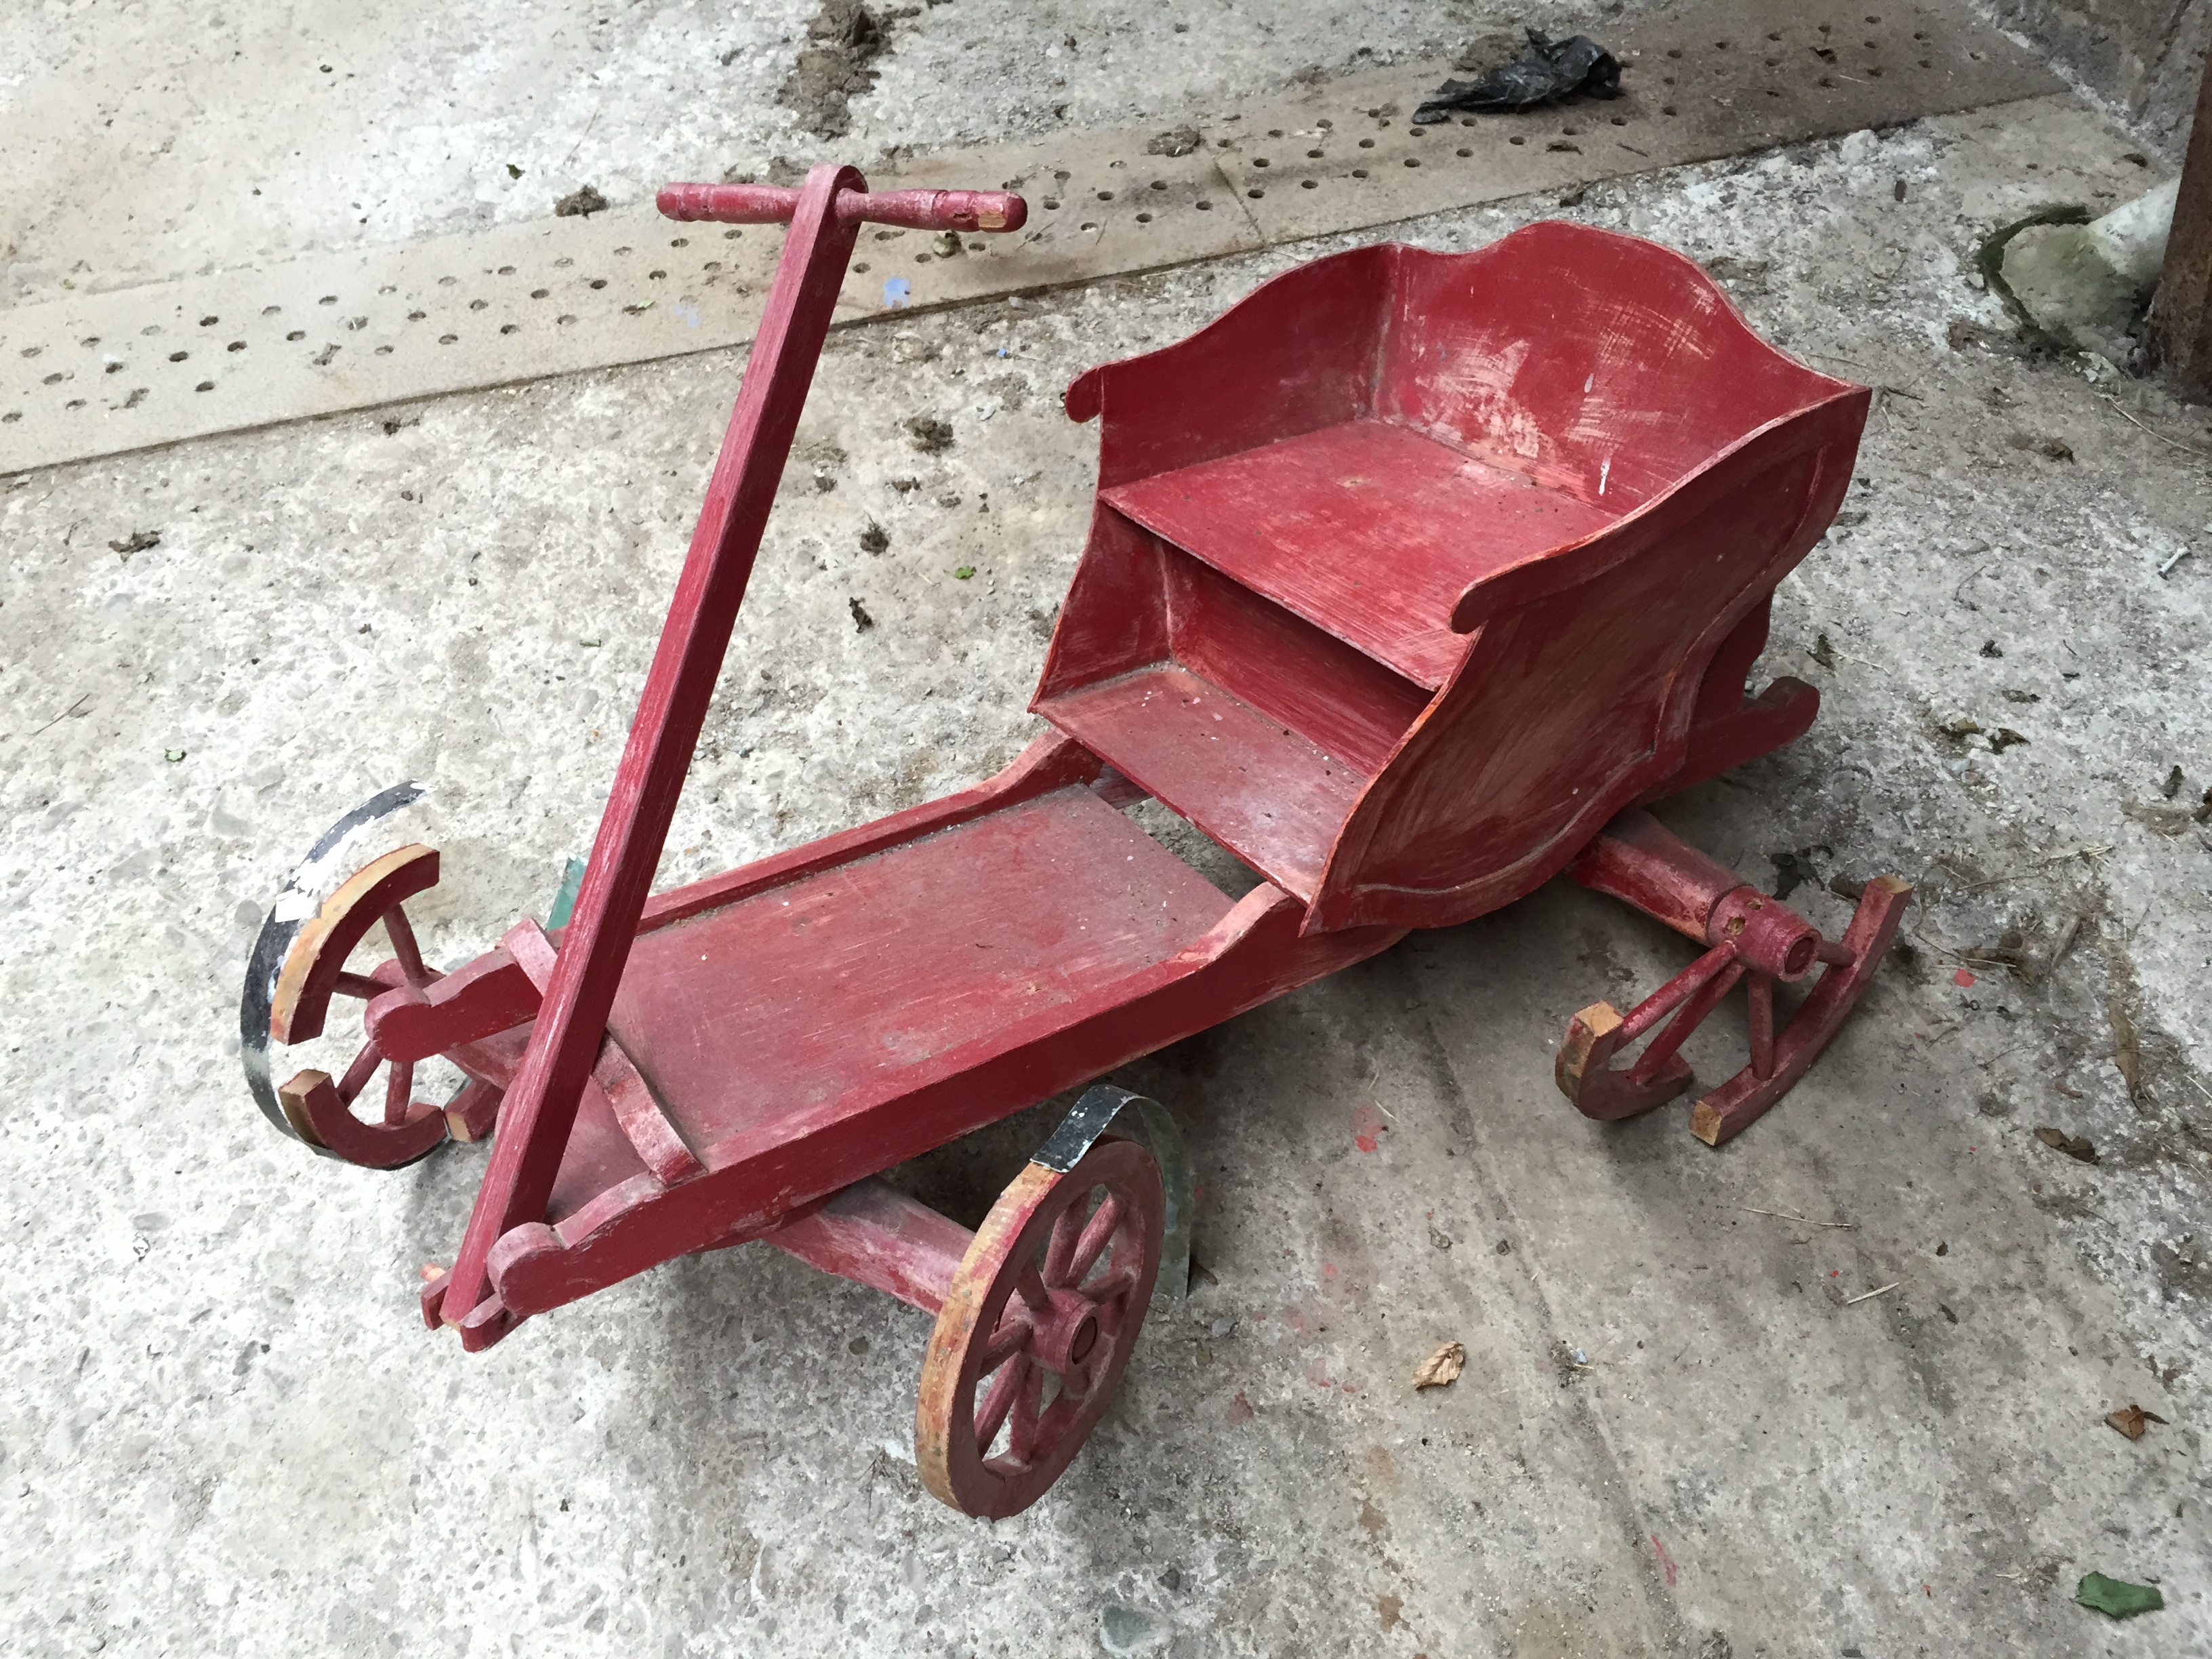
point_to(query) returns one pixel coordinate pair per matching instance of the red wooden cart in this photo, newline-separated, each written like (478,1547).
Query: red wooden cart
(1410,578)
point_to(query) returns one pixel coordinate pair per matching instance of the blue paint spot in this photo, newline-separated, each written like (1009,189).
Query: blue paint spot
(896,289)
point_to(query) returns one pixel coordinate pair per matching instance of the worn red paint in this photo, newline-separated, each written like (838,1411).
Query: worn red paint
(1240,1410)
(1962,979)
(1666,1561)
(1282,627)
(1366,1128)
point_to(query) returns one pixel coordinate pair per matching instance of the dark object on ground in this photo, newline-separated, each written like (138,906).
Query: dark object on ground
(1546,70)
(1792,869)
(2131,1421)
(2058,1141)
(579,203)
(2116,1596)
(1176,141)
(862,621)
(139,540)
(929,434)
(833,68)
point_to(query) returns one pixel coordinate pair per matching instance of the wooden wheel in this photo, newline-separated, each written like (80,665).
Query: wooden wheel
(1036,1327)
(1779,1055)
(316,1108)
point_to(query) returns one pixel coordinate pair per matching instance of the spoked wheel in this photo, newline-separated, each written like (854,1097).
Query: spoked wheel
(1753,949)
(1036,1327)
(316,1108)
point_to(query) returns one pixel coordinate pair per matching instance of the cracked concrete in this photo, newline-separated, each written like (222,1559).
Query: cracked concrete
(222,1426)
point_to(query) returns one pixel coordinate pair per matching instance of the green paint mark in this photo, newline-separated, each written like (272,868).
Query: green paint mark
(565,900)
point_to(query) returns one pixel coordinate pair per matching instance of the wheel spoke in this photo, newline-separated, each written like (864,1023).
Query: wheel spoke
(1095,1237)
(401,935)
(360,985)
(1687,1019)
(398,1088)
(358,1074)
(999,1399)
(1029,1407)
(1010,1339)
(1761,992)
(1648,1012)
(1112,1288)
(1029,1285)
(1067,1228)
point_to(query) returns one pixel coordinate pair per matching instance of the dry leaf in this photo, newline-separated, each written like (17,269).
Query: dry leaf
(1442,1367)
(2131,1421)
(2058,1141)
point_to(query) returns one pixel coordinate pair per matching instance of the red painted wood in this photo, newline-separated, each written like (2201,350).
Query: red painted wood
(1577,697)
(315,964)
(861,979)
(1639,860)
(312,1102)
(876,1236)
(1050,762)
(1442,561)
(487,995)
(1600,365)
(1297,354)
(644,1124)
(1751,937)
(1729,1110)
(1605,383)
(1729,726)
(1369,531)
(917,209)
(1115,616)
(1270,796)
(565,1041)
(1345,703)
(759,1175)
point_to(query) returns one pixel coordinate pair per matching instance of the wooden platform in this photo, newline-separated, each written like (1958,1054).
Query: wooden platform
(1367,529)
(1266,794)
(854,985)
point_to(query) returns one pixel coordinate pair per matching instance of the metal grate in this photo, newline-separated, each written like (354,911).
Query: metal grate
(109,373)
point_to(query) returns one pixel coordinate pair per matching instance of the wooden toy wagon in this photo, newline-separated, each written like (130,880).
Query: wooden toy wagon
(1410,580)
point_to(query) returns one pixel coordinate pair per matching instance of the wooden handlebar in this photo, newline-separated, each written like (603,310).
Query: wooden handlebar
(915,209)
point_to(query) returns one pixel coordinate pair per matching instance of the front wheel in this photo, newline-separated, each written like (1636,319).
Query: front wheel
(1036,1328)
(299,964)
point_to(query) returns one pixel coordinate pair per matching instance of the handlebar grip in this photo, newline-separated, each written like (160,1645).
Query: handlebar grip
(938,209)
(728,204)
(914,209)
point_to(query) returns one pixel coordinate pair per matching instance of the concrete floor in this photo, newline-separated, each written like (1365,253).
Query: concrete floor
(222,1429)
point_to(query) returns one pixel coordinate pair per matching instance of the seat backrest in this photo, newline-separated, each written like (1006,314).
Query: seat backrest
(1595,363)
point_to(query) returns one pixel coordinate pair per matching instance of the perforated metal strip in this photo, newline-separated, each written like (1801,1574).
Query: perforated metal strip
(106,372)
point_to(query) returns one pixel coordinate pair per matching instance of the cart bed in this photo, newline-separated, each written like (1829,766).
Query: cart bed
(831,994)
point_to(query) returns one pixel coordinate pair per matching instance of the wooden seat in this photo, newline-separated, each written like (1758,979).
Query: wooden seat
(1368,530)
(1412,568)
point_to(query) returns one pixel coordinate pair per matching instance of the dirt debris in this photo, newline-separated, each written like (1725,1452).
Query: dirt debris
(845,38)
